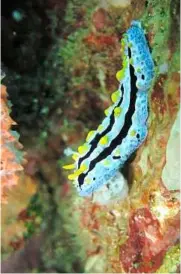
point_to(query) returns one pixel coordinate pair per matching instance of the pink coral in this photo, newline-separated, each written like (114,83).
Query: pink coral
(9,143)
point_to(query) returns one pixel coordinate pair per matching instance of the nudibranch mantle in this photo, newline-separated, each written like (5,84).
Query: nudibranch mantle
(124,128)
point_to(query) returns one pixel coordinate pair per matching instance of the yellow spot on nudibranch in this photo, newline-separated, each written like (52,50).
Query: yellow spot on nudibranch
(72,176)
(87,181)
(75,175)
(123,43)
(117,152)
(117,111)
(90,135)
(106,162)
(83,167)
(107,111)
(75,156)
(72,166)
(133,132)
(100,128)
(120,75)
(104,140)
(131,61)
(115,96)
(125,63)
(82,149)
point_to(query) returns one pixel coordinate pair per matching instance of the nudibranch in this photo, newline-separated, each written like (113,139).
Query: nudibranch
(124,128)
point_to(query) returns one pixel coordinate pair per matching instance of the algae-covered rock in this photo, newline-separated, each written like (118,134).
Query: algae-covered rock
(136,231)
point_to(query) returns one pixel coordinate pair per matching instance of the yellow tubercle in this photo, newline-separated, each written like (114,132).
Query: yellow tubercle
(106,162)
(123,44)
(133,132)
(83,167)
(120,75)
(115,96)
(77,172)
(107,111)
(89,135)
(131,61)
(117,152)
(104,140)
(87,181)
(117,111)
(72,177)
(72,166)
(75,156)
(100,128)
(83,149)
(125,62)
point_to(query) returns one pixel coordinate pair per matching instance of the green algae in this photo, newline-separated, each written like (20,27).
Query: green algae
(73,51)
(35,216)
(171,260)
(157,20)
(63,249)
(77,9)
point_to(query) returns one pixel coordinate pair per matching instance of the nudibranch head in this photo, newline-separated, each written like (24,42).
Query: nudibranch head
(140,55)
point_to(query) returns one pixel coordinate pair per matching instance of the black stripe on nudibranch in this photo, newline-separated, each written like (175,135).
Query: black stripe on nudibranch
(98,136)
(116,157)
(129,52)
(123,132)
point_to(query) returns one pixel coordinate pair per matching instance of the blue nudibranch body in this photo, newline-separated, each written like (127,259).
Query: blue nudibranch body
(125,126)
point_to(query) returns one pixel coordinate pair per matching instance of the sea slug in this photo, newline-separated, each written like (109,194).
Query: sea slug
(124,128)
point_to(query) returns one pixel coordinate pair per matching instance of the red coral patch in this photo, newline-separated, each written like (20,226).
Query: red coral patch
(100,41)
(142,251)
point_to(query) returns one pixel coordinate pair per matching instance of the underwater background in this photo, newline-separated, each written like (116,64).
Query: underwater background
(59,61)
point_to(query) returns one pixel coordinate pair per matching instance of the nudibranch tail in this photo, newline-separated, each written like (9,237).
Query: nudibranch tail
(124,127)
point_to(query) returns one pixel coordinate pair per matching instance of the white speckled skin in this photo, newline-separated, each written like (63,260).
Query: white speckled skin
(100,172)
